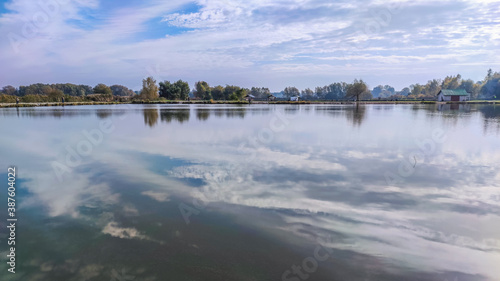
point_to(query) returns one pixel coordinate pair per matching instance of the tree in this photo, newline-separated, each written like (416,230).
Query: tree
(336,91)
(241,93)
(174,91)
(319,92)
(202,90)
(488,75)
(238,95)
(307,94)
(357,89)
(55,95)
(260,93)
(119,90)
(9,90)
(169,91)
(184,89)
(416,90)
(491,88)
(149,89)
(432,88)
(218,93)
(291,92)
(44,89)
(102,89)
(470,87)
(377,91)
(405,91)
(451,82)
(229,90)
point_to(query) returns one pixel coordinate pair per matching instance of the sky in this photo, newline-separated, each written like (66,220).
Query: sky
(261,43)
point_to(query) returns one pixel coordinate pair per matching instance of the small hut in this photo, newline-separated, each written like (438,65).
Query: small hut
(453,95)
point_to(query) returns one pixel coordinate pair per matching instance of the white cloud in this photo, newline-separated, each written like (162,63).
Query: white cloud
(158,196)
(113,229)
(238,42)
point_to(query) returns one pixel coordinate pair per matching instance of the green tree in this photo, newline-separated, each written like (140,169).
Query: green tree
(432,88)
(489,74)
(491,87)
(174,91)
(218,93)
(102,89)
(291,92)
(9,90)
(336,91)
(451,82)
(404,92)
(120,90)
(184,89)
(169,91)
(241,93)
(307,94)
(149,89)
(55,95)
(470,87)
(229,90)
(358,89)
(202,90)
(260,93)
(416,90)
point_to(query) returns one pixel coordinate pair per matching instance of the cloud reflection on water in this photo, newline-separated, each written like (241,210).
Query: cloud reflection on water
(323,175)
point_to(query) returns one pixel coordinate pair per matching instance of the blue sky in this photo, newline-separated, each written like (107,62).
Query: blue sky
(275,44)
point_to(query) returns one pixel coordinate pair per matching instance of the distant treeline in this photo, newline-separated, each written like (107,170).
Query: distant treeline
(488,88)
(70,92)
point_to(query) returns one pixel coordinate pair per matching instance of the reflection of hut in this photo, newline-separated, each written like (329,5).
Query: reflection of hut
(453,95)
(454,107)
(296,98)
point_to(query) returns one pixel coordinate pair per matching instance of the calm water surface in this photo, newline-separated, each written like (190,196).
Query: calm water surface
(261,192)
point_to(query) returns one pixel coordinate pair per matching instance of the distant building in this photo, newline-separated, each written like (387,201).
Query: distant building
(453,95)
(294,98)
(249,97)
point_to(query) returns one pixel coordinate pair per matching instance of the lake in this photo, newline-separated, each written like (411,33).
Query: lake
(253,192)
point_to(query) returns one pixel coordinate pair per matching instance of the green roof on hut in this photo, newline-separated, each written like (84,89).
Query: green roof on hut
(456,92)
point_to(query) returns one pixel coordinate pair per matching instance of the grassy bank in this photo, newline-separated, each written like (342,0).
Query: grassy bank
(5,105)
(36,104)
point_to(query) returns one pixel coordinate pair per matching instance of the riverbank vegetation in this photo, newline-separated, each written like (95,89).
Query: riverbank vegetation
(488,88)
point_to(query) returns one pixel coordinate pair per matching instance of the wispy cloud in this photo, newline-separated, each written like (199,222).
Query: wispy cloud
(246,42)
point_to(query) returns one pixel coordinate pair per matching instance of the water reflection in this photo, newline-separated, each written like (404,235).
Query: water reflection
(490,112)
(103,113)
(491,115)
(150,116)
(455,107)
(320,176)
(202,114)
(179,115)
(356,115)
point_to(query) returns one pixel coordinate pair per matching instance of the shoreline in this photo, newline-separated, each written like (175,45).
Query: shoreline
(45,104)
